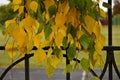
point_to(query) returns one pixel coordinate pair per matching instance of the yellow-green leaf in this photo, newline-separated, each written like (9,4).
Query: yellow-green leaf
(53,60)
(49,69)
(40,55)
(11,49)
(95,78)
(85,64)
(98,58)
(21,9)
(102,13)
(58,39)
(34,6)
(89,24)
(68,68)
(17,2)
(16,7)
(100,43)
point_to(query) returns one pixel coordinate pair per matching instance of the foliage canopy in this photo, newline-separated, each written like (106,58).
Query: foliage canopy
(70,24)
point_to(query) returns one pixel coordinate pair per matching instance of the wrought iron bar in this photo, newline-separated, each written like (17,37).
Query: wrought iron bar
(27,67)
(67,62)
(12,65)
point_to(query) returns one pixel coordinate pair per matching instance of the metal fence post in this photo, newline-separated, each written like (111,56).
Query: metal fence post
(27,67)
(67,62)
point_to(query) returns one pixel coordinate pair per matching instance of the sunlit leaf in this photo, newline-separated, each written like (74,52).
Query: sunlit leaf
(40,55)
(34,6)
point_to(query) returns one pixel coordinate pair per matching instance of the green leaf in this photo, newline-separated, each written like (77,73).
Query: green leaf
(85,64)
(56,51)
(106,5)
(52,10)
(71,52)
(40,28)
(68,68)
(65,43)
(71,30)
(47,31)
(91,48)
(95,78)
(84,41)
(72,3)
(81,4)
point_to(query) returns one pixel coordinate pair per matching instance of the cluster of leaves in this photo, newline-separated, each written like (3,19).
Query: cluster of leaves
(72,24)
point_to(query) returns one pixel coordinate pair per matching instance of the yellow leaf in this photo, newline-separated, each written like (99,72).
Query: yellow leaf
(40,55)
(21,9)
(39,40)
(28,3)
(60,19)
(49,69)
(102,13)
(98,58)
(97,30)
(89,24)
(9,22)
(17,2)
(100,43)
(30,45)
(16,7)
(48,3)
(53,61)
(63,7)
(11,49)
(72,17)
(20,36)
(10,26)
(58,39)
(50,51)
(30,24)
(34,6)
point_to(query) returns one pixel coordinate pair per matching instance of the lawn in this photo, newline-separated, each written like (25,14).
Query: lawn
(5,60)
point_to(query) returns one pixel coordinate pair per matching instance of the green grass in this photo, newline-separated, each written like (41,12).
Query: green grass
(6,61)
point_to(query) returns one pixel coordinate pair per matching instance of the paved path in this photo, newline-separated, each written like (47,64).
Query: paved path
(40,74)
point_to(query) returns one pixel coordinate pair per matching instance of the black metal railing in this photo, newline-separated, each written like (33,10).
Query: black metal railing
(110,62)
